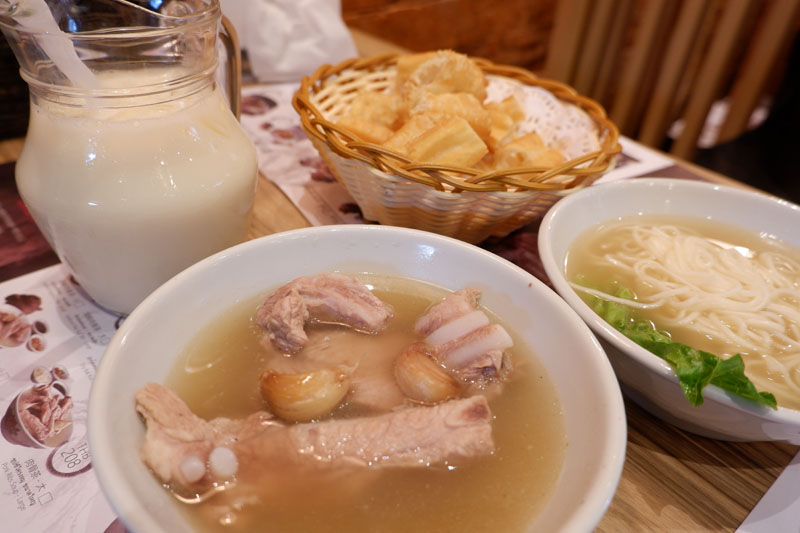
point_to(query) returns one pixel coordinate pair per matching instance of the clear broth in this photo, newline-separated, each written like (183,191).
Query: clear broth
(218,376)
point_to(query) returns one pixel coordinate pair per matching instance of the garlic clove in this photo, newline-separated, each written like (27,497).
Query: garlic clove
(421,378)
(303,397)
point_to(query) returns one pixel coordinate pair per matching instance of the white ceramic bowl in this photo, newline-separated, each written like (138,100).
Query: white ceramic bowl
(645,377)
(146,344)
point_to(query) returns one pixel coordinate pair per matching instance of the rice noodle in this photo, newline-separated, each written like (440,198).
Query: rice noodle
(610,298)
(749,300)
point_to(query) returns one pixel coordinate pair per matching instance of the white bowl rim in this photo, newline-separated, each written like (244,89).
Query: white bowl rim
(782,415)
(585,516)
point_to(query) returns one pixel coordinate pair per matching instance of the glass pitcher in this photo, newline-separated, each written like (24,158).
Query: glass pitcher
(134,165)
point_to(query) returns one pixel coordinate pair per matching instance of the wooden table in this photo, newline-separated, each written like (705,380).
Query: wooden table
(672,480)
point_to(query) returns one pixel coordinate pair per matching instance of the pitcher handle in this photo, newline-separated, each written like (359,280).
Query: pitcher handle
(230,41)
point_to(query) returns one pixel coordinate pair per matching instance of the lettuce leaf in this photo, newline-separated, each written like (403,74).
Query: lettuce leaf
(695,368)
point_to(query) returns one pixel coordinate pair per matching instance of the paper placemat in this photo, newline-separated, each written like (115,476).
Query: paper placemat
(51,339)
(778,511)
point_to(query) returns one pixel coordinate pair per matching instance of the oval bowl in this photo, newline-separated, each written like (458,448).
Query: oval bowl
(645,377)
(146,345)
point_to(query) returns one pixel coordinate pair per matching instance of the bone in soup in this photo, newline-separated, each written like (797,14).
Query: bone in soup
(401,448)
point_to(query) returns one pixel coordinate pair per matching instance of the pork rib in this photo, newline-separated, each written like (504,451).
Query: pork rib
(419,436)
(413,437)
(325,297)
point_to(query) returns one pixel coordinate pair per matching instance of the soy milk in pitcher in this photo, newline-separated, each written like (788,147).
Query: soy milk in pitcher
(129,197)
(139,168)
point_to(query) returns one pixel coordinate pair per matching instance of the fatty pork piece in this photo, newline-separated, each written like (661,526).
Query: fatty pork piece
(461,337)
(192,455)
(326,298)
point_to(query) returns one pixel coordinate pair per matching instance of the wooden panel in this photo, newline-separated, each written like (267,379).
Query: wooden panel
(564,46)
(772,38)
(367,44)
(712,75)
(659,111)
(596,35)
(613,50)
(658,47)
(515,34)
(632,77)
(699,48)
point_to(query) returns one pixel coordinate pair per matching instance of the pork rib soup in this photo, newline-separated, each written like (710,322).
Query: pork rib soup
(368,403)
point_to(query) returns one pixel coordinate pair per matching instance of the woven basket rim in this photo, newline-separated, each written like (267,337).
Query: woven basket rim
(444,177)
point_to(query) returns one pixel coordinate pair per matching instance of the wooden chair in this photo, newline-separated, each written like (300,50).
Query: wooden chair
(652,62)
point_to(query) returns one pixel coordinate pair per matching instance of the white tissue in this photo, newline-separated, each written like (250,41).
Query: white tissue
(288,39)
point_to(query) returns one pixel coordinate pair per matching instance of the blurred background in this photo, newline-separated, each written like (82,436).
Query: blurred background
(644,60)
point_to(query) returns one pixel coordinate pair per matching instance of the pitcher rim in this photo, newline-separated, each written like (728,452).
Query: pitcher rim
(211,11)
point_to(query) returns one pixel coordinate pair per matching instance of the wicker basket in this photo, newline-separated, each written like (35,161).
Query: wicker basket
(467,204)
